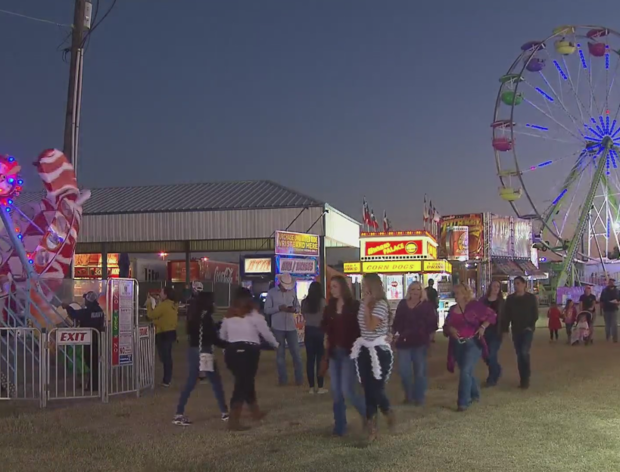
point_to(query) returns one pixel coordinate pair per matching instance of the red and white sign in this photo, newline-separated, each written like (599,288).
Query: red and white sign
(209,271)
(259,265)
(403,247)
(73,337)
(298,266)
(144,331)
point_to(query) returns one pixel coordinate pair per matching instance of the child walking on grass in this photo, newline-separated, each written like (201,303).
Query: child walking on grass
(569,316)
(555,321)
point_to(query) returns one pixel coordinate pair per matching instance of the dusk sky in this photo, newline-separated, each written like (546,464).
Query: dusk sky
(338,99)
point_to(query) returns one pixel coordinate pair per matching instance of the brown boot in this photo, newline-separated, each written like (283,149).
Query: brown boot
(371,429)
(256,412)
(234,422)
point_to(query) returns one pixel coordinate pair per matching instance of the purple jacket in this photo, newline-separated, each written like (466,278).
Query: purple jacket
(414,326)
(467,324)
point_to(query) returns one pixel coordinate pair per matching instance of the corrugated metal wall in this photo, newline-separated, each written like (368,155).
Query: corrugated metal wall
(189,226)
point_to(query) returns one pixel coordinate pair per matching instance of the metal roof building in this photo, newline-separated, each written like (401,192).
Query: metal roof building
(204,217)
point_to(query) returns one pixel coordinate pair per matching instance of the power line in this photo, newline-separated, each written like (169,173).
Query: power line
(41,20)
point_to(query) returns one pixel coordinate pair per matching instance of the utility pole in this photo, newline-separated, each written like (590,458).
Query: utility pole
(81,24)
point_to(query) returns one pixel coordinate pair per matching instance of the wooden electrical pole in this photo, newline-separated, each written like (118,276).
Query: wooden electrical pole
(81,24)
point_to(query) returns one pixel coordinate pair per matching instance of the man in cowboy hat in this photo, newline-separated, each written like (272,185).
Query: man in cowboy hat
(282,304)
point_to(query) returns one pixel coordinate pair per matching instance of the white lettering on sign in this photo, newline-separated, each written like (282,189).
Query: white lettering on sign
(257,266)
(73,337)
(223,276)
(298,266)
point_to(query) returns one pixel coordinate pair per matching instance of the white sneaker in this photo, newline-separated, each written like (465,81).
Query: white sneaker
(322,391)
(312,391)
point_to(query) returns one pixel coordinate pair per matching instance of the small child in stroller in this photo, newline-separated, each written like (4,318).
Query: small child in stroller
(581,331)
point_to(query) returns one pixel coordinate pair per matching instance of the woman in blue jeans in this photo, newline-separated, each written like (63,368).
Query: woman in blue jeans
(341,329)
(494,299)
(202,336)
(312,309)
(415,322)
(466,324)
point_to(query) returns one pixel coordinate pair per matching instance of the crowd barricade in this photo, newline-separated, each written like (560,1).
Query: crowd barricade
(146,359)
(75,363)
(22,364)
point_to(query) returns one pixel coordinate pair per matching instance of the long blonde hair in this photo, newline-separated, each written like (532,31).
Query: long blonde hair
(375,287)
(423,294)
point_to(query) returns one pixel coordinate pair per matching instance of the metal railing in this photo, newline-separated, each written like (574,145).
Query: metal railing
(74,363)
(21,369)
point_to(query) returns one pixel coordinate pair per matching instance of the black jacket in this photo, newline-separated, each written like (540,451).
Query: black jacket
(607,295)
(91,316)
(210,332)
(521,312)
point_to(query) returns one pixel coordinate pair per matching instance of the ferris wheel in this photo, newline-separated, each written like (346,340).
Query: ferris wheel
(556,137)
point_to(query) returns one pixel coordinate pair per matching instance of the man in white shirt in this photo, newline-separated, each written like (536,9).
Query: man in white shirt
(282,304)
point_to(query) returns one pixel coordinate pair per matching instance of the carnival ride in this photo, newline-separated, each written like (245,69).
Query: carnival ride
(556,137)
(37,244)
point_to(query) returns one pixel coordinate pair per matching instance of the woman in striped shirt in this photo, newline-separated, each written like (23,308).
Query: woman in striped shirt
(372,353)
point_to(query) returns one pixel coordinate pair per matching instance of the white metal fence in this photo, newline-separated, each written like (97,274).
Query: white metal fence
(73,363)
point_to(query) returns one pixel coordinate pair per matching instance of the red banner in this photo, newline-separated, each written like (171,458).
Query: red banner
(405,247)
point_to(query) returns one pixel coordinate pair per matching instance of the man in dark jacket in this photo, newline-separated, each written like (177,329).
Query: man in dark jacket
(91,316)
(521,312)
(610,298)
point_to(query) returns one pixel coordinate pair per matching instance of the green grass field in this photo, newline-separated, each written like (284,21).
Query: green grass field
(568,421)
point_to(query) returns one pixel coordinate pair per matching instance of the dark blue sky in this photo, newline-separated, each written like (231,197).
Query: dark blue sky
(335,98)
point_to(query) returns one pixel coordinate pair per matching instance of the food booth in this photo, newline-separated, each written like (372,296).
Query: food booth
(400,258)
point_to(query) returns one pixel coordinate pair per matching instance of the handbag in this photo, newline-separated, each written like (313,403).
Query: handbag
(206,363)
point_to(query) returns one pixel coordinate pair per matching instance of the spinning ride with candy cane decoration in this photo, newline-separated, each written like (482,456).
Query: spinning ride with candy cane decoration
(38,240)
(556,137)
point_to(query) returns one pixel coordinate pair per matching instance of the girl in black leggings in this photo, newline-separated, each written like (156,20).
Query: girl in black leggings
(243,329)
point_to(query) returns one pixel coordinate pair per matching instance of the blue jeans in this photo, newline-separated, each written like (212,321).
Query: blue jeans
(523,343)
(344,388)
(414,384)
(293,346)
(611,325)
(494,343)
(467,355)
(164,342)
(315,348)
(193,366)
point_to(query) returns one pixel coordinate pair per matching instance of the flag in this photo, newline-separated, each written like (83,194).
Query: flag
(366,213)
(425,212)
(373,221)
(386,222)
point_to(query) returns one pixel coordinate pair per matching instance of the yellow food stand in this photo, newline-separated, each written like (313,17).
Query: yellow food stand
(400,258)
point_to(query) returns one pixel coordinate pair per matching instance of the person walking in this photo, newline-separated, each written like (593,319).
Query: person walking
(414,323)
(165,317)
(465,325)
(243,328)
(91,316)
(433,297)
(494,299)
(610,298)
(281,305)
(341,329)
(521,314)
(569,315)
(372,352)
(202,337)
(554,315)
(587,302)
(314,339)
